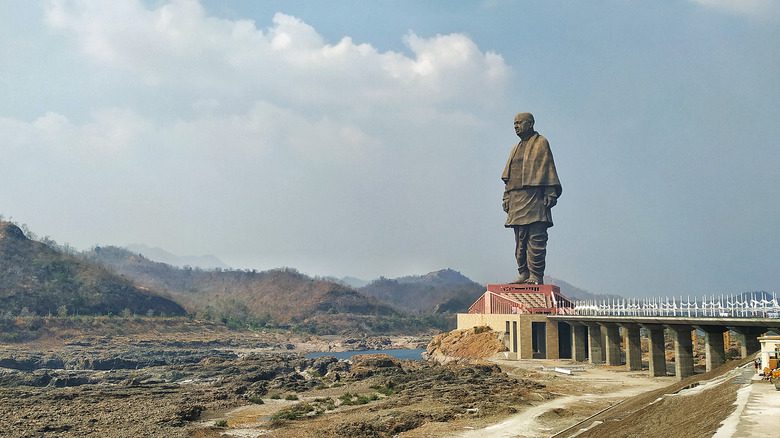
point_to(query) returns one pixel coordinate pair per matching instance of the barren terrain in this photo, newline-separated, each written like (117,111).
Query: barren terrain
(157,377)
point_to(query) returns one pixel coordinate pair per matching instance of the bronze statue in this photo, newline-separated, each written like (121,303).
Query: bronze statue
(532,190)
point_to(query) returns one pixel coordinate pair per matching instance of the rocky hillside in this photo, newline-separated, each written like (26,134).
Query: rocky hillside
(283,296)
(44,280)
(444,291)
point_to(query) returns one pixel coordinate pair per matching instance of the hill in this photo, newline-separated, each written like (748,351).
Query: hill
(282,297)
(443,291)
(447,291)
(575,293)
(43,280)
(160,255)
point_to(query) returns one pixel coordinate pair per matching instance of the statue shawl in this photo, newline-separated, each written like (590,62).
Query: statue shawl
(538,164)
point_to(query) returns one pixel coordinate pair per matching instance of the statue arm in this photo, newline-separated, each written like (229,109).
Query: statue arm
(550,196)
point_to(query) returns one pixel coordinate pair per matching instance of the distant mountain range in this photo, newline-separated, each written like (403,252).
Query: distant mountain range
(352,281)
(574,293)
(281,297)
(44,280)
(160,255)
(444,291)
(440,291)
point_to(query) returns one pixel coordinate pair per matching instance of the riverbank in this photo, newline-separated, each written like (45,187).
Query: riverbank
(100,376)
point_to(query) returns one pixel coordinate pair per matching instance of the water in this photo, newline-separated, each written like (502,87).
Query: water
(400,353)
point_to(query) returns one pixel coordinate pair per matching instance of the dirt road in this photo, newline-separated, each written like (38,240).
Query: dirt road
(589,392)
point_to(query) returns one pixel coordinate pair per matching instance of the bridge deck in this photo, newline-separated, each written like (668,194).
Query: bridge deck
(672,320)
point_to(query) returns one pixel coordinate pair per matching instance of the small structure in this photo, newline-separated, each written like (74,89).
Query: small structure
(770,351)
(520,311)
(522,299)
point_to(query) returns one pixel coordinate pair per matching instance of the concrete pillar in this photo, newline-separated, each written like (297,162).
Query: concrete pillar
(683,351)
(578,339)
(714,350)
(594,342)
(657,365)
(525,333)
(748,338)
(612,332)
(633,347)
(553,352)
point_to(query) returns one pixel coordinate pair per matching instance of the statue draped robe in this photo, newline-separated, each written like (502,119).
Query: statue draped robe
(530,175)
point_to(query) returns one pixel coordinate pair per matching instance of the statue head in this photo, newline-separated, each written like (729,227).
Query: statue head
(524,124)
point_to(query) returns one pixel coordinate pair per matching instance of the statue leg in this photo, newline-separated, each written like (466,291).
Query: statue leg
(537,251)
(521,245)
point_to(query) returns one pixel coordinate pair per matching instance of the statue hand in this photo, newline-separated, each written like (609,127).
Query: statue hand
(550,201)
(505,206)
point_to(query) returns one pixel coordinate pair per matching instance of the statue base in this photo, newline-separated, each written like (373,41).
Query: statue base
(519,288)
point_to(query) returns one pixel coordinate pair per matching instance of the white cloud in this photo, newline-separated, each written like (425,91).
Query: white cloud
(762,9)
(109,131)
(288,144)
(249,90)
(245,135)
(178,45)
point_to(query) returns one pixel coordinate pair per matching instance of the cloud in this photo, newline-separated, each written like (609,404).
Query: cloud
(178,45)
(109,131)
(247,90)
(762,9)
(293,147)
(112,133)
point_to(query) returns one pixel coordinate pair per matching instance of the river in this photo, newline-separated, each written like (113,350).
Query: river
(399,353)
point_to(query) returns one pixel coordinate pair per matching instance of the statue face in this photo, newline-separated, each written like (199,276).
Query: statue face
(523,126)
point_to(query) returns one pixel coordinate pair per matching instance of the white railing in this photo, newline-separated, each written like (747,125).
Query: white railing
(754,305)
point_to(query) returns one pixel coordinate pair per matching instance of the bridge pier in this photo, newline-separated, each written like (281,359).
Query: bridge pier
(657,365)
(633,347)
(597,329)
(612,347)
(683,351)
(714,350)
(748,338)
(579,334)
(595,344)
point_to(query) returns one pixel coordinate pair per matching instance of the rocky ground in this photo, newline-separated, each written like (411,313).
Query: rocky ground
(182,379)
(155,377)
(188,380)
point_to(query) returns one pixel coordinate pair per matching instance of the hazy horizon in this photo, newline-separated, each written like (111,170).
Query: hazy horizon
(367,139)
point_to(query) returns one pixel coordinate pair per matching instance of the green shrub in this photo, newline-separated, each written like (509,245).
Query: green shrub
(349,399)
(293,413)
(220,423)
(291,397)
(384,390)
(256,400)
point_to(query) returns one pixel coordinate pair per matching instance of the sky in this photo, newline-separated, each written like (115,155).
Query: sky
(354,138)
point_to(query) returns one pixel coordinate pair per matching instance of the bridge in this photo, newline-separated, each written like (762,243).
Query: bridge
(611,331)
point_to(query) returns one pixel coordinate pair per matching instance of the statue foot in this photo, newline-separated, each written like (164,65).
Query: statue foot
(521,279)
(534,280)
